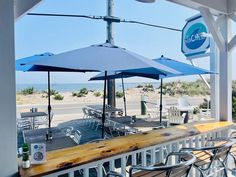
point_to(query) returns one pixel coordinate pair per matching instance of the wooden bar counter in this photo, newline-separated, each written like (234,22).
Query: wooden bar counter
(75,156)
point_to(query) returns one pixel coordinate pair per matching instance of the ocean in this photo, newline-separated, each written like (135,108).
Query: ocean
(76,87)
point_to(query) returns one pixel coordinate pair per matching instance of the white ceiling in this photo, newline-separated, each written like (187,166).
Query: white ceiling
(215,6)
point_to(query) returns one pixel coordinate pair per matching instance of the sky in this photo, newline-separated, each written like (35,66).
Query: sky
(35,34)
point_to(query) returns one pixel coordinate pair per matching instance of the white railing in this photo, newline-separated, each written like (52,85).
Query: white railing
(146,156)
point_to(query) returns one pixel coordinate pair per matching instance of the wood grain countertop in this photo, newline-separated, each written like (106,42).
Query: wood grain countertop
(78,155)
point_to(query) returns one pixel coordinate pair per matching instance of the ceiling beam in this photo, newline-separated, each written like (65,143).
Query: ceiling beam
(215,6)
(23,6)
(231,6)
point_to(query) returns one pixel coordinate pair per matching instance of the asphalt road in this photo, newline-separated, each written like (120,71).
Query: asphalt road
(76,108)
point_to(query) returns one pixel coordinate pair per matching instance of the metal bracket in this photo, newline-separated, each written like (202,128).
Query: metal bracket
(214,27)
(111,19)
(232,43)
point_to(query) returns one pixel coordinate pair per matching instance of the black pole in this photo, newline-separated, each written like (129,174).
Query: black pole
(49,101)
(161,103)
(124,98)
(104,104)
(49,134)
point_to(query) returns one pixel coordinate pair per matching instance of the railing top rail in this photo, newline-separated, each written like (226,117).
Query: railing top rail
(79,155)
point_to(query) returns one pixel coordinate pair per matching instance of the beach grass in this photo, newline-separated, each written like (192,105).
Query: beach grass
(58,97)
(28,91)
(119,94)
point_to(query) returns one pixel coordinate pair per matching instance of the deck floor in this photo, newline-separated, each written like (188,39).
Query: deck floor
(88,134)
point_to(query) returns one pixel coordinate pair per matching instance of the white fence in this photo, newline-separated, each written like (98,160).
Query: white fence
(145,156)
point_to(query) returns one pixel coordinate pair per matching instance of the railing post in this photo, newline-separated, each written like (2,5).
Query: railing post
(196,141)
(203,139)
(134,159)
(71,174)
(112,165)
(123,165)
(144,158)
(184,143)
(100,170)
(153,156)
(190,142)
(86,172)
(161,154)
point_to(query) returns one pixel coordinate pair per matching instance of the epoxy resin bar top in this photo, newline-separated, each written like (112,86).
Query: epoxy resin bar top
(75,156)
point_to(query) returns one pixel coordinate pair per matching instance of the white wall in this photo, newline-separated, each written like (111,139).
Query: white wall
(8,145)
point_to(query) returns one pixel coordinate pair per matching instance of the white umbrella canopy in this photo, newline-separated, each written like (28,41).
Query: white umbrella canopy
(104,57)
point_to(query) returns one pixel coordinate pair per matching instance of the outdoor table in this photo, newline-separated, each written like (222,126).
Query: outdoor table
(59,141)
(32,115)
(139,124)
(108,109)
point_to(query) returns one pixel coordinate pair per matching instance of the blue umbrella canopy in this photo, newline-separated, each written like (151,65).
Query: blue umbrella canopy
(117,75)
(183,69)
(104,57)
(21,66)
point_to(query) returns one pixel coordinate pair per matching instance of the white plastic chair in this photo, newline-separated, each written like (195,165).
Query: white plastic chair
(77,136)
(23,124)
(175,117)
(205,113)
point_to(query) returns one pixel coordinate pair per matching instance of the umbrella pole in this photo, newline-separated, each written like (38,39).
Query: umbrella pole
(161,103)
(104,104)
(49,134)
(123,87)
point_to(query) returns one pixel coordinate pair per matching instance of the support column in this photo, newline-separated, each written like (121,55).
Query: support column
(214,80)
(221,33)
(226,74)
(111,83)
(8,137)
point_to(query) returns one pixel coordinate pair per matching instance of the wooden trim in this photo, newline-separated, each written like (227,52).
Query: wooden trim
(75,156)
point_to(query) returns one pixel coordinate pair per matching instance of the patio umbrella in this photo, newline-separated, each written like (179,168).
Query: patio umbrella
(104,57)
(183,69)
(20,66)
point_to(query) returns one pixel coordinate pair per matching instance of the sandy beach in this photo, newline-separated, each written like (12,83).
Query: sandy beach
(71,106)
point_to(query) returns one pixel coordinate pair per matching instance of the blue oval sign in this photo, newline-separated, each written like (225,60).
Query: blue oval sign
(194,38)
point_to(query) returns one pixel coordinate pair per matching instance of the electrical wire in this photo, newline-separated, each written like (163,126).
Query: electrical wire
(152,25)
(67,15)
(105,18)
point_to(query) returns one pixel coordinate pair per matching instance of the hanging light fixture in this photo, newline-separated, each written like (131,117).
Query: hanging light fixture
(146,1)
